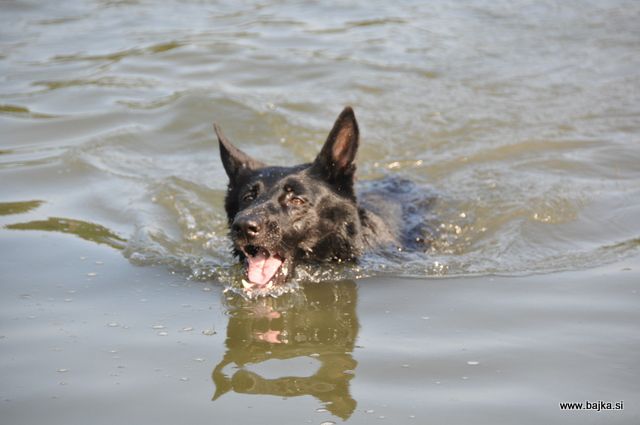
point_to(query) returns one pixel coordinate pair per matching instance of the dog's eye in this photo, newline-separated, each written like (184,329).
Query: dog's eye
(249,196)
(296,201)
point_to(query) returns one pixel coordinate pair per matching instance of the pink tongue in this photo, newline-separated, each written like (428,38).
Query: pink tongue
(262,268)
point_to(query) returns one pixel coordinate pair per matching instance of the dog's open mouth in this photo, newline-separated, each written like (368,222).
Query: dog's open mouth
(264,268)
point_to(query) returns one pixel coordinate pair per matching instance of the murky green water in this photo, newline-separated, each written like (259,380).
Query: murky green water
(519,121)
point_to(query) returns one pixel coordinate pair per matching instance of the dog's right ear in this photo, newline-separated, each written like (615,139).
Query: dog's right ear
(234,160)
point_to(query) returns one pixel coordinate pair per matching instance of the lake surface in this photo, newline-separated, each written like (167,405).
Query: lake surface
(518,122)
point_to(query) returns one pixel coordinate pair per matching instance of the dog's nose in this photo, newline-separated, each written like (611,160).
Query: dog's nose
(248,226)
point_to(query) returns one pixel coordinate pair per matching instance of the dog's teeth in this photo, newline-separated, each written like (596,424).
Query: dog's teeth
(248,286)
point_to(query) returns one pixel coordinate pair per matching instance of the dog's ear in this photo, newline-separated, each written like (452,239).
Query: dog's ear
(335,160)
(234,160)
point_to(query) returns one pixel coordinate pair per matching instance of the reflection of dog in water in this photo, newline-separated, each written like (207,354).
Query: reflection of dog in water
(319,322)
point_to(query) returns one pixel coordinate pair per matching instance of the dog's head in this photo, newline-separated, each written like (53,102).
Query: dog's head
(280,216)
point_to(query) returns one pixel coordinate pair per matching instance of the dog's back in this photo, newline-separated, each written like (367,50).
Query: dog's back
(402,207)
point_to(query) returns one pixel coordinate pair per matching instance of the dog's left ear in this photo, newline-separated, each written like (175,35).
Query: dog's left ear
(335,160)
(234,160)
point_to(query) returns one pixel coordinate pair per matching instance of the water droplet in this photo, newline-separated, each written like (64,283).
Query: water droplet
(369,411)
(163,333)
(92,274)
(113,324)
(184,379)
(157,327)
(321,410)
(208,332)
(62,370)
(473,363)
(99,263)
(198,359)
(328,423)
(187,329)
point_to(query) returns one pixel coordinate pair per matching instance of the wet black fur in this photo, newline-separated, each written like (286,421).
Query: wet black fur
(307,212)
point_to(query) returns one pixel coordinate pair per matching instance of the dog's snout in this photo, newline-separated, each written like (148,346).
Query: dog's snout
(250,227)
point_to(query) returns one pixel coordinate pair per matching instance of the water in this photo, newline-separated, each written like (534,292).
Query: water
(518,123)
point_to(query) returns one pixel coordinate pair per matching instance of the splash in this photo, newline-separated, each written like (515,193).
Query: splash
(451,237)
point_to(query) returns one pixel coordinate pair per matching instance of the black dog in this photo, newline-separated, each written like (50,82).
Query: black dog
(281,216)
